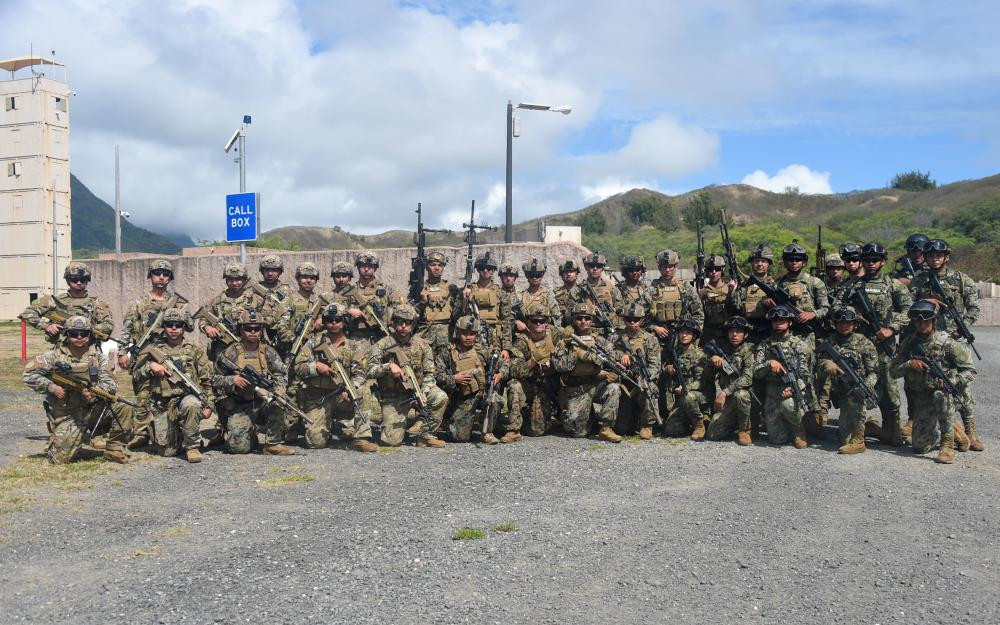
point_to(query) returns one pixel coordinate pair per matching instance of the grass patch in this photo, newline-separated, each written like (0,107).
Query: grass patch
(286,480)
(32,473)
(176,532)
(505,527)
(145,553)
(596,447)
(288,469)
(13,503)
(388,450)
(468,533)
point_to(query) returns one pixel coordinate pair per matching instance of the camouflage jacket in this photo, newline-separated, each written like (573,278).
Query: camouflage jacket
(92,366)
(296,312)
(189,358)
(797,350)
(860,352)
(742,358)
(228,307)
(473,361)
(808,294)
(746,301)
(417,353)
(563,297)
(713,302)
(87,306)
(694,367)
(889,298)
(953,356)
(644,344)
(609,298)
(573,361)
(543,297)
(142,313)
(276,298)
(537,353)
(494,310)
(438,303)
(631,293)
(959,287)
(319,349)
(665,302)
(264,359)
(379,295)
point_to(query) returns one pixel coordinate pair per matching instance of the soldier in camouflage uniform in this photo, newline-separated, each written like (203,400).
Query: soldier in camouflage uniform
(850,253)
(534,296)
(749,301)
(609,298)
(860,352)
(686,404)
(633,269)
(807,292)
(322,394)
(491,303)
(732,404)
(669,300)
(367,299)
(461,373)
(342,274)
(933,406)
(275,294)
(178,414)
(714,296)
(227,306)
(962,291)
(569,271)
(304,314)
(72,412)
(837,286)
(387,362)
(437,303)
(240,407)
(534,392)
(73,302)
(915,253)
(638,410)
(782,413)
(508,281)
(588,392)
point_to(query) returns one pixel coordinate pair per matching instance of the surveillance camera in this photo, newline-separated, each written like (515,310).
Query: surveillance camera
(126,214)
(72,92)
(232,140)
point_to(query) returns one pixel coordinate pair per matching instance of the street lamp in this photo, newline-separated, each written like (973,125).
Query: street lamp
(240,135)
(565,110)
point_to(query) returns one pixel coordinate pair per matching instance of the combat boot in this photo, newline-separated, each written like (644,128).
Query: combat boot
(743,435)
(115,455)
(975,443)
(856,444)
(416,428)
(510,437)
(364,445)
(961,440)
(193,456)
(946,453)
(489,439)
(699,429)
(99,442)
(873,430)
(799,437)
(277,450)
(907,433)
(430,441)
(646,433)
(607,434)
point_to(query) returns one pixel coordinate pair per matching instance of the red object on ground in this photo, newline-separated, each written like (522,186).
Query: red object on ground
(24,341)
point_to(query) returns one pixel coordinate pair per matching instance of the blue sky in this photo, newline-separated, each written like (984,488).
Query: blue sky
(363,109)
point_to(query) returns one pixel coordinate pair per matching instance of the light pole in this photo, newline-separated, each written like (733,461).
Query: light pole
(241,134)
(565,110)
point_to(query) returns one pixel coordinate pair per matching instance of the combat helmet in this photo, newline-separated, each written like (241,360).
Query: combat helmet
(923,309)
(437,257)
(690,325)
(533,266)
(937,245)
(873,250)
(76,269)
(834,260)
(468,323)
(762,252)
(780,312)
(234,269)
(404,312)
(485,261)
(76,323)
(160,264)
(249,316)
(509,269)
(850,251)
(366,258)
(583,308)
(844,313)
(634,310)
(307,270)
(271,261)
(916,241)
(568,265)
(738,323)
(595,259)
(633,262)
(341,268)
(177,315)
(536,309)
(794,251)
(335,312)
(715,260)
(667,257)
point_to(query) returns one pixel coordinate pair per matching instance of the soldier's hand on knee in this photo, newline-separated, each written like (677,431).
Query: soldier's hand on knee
(206,413)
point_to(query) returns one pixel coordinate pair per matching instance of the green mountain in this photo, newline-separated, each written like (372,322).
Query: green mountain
(94,228)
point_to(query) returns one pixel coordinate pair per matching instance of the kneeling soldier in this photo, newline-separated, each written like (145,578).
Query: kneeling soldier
(639,351)
(402,366)
(243,404)
(685,382)
(732,370)
(179,378)
(533,392)
(74,378)
(330,371)
(784,362)
(464,373)
(860,354)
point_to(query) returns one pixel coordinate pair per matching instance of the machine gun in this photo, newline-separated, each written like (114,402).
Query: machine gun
(819,269)
(712,348)
(471,229)
(263,387)
(599,309)
(605,360)
(859,299)
(418,264)
(223,324)
(774,292)
(176,374)
(850,376)
(487,406)
(790,376)
(59,313)
(154,327)
(952,313)
(732,265)
(937,371)
(699,259)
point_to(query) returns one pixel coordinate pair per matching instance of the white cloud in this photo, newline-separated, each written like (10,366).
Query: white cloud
(798,176)
(611,186)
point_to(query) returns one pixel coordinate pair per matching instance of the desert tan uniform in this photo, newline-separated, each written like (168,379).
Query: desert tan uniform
(534,392)
(747,302)
(227,306)
(564,297)
(494,311)
(396,399)
(88,306)
(320,396)
(437,306)
(241,410)
(381,297)
(296,312)
(542,297)
(669,303)
(636,410)
(609,298)
(631,293)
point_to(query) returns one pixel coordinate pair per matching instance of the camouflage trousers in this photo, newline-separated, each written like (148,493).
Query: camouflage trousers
(781,416)
(722,424)
(464,418)
(68,432)
(682,413)
(533,408)
(242,417)
(852,413)
(594,396)
(437,335)
(176,424)
(398,412)
(888,393)
(636,410)
(329,413)
(932,412)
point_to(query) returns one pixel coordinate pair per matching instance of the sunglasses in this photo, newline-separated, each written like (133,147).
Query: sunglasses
(533,275)
(78,280)
(251,328)
(173,324)
(162,272)
(583,318)
(78,334)
(713,269)
(537,320)
(633,319)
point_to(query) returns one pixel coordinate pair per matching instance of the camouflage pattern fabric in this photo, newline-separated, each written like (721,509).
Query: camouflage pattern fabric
(781,415)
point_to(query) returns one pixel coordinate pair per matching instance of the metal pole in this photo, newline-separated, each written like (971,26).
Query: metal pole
(508,236)
(243,185)
(118,211)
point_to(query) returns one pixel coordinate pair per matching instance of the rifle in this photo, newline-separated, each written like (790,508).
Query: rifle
(348,386)
(369,310)
(59,314)
(263,387)
(303,328)
(699,259)
(599,308)
(790,377)
(488,406)
(177,375)
(952,312)
(154,327)
(850,376)
(62,374)
(275,296)
(712,348)
(819,269)
(907,265)
(640,366)
(732,265)
(222,324)
(418,264)
(937,371)
(777,294)
(873,324)
(470,239)
(605,360)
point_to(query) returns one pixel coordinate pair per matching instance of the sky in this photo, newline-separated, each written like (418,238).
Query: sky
(362,109)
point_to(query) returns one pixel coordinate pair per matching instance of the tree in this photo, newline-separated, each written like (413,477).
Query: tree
(593,221)
(651,211)
(700,208)
(913,181)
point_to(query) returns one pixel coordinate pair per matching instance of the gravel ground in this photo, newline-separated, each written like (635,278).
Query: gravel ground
(637,532)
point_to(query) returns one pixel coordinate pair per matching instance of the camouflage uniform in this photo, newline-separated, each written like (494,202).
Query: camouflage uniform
(685,411)
(464,413)
(337,295)
(635,409)
(746,301)
(669,303)
(437,308)
(861,353)
(243,411)
(87,306)
(808,294)
(632,293)
(320,396)
(381,297)
(494,311)
(534,391)
(563,295)
(543,297)
(587,390)
(713,300)
(735,413)
(228,308)
(783,417)
(297,319)
(609,298)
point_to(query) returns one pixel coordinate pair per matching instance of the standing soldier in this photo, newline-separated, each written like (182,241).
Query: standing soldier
(240,406)
(733,401)
(599,287)
(808,293)
(402,366)
(837,288)
(462,373)
(714,296)
(275,294)
(71,411)
(633,269)
(485,301)
(569,271)
(342,274)
(588,392)
(508,295)
(324,394)
(369,302)
(219,316)
(749,301)
(534,296)
(933,404)
(143,312)
(639,351)
(304,314)
(686,381)
(534,392)
(178,410)
(905,272)
(669,300)
(436,305)
(48,312)
(786,384)
(962,292)
(859,352)
(850,253)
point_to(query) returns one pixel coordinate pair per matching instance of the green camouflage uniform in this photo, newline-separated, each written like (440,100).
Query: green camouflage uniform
(631,293)
(746,302)
(463,416)
(437,308)
(684,410)
(635,409)
(736,386)
(781,415)
(381,297)
(587,390)
(276,302)
(242,411)
(808,294)
(321,396)
(88,306)
(534,392)
(609,298)
(228,307)
(526,300)
(860,352)
(397,403)
(713,301)
(298,312)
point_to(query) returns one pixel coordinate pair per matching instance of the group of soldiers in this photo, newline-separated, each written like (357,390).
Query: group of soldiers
(730,356)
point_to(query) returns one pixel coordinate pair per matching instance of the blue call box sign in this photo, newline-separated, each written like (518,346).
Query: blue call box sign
(242,222)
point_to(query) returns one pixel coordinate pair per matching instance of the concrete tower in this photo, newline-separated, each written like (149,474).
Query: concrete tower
(35,243)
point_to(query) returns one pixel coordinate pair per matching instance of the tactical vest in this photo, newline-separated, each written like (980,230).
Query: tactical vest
(585,368)
(326,353)
(753,296)
(257,362)
(469,361)
(87,368)
(714,303)
(541,350)
(800,293)
(529,299)
(631,294)
(183,357)
(437,302)
(411,355)
(488,301)
(603,291)
(668,303)
(376,294)
(563,297)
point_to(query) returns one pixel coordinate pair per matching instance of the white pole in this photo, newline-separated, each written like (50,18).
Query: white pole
(118,210)
(243,185)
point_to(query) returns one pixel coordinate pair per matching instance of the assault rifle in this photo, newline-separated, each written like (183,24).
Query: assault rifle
(488,406)
(176,374)
(850,375)
(790,377)
(370,311)
(605,360)
(599,309)
(699,259)
(410,383)
(859,298)
(352,394)
(819,269)
(61,373)
(937,371)
(643,377)
(774,292)
(303,328)
(952,313)
(222,324)
(418,264)
(906,264)
(712,348)
(263,387)
(275,296)
(732,265)
(59,313)
(154,327)
(470,239)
